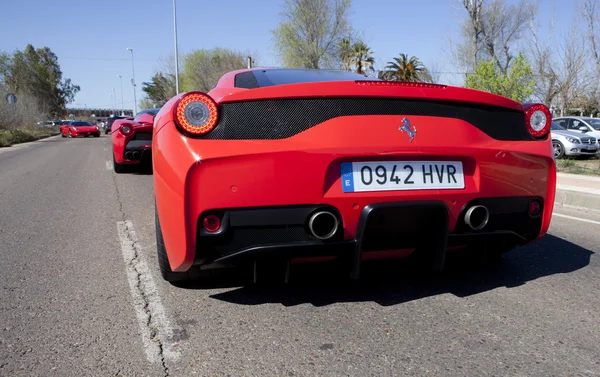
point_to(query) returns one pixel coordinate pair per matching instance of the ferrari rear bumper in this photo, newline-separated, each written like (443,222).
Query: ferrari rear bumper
(193,178)
(294,232)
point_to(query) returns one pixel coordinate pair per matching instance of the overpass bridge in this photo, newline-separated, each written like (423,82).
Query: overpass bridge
(92,113)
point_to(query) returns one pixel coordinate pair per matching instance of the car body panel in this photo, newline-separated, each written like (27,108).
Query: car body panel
(195,175)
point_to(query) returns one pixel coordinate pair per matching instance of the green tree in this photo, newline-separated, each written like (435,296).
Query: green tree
(403,68)
(36,73)
(311,32)
(345,54)
(362,57)
(517,83)
(147,103)
(203,68)
(160,89)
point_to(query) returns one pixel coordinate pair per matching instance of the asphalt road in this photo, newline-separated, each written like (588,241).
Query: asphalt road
(81,295)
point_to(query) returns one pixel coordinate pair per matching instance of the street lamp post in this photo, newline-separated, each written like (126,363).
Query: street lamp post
(115,103)
(176,48)
(133,82)
(122,103)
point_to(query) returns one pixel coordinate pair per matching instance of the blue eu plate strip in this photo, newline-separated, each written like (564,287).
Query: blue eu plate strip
(347,178)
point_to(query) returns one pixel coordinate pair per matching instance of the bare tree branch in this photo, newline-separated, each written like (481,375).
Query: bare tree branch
(492,29)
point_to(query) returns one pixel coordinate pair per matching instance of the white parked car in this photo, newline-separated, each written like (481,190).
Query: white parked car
(583,125)
(569,143)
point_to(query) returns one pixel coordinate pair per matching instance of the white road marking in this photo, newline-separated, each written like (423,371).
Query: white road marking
(109,165)
(576,218)
(154,324)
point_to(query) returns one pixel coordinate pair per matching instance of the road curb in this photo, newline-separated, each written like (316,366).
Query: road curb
(577,200)
(578,192)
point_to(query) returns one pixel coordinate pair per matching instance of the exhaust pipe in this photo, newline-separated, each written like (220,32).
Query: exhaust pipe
(323,225)
(135,155)
(477,217)
(129,155)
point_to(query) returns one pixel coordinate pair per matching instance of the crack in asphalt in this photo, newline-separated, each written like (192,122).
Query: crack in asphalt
(121,210)
(153,329)
(149,310)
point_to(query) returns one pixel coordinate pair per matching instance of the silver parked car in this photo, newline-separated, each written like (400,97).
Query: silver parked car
(580,125)
(569,143)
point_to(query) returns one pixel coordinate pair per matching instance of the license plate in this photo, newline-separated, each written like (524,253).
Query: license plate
(402,175)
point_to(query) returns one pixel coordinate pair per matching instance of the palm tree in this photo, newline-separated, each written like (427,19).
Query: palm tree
(362,57)
(408,69)
(345,54)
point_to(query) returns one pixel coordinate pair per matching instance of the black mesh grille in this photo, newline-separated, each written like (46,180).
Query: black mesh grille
(243,238)
(279,119)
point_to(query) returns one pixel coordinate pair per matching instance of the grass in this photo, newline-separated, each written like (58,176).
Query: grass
(587,166)
(12,137)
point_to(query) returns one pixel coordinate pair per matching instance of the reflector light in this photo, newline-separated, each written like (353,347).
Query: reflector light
(538,120)
(196,113)
(211,223)
(534,208)
(402,83)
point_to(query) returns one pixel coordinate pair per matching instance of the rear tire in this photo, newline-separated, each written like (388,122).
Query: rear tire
(163,259)
(118,168)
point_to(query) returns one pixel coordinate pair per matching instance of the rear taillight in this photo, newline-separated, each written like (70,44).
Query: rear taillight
(537,119)
(126,129)
(196,114)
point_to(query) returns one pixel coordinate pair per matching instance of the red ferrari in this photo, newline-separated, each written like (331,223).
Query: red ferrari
(78,128)
(132,140)
(64,127)
(289,165)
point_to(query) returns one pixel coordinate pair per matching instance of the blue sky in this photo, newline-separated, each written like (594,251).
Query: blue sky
(90,37)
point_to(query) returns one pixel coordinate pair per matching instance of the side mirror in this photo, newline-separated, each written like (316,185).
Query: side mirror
(583,129)
(146,119)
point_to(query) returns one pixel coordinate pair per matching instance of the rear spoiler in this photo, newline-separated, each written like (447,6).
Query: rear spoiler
(372,89)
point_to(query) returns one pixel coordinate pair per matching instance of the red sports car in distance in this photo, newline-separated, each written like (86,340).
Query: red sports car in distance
(274,166)
(64,127)
(78,128)
(132,140)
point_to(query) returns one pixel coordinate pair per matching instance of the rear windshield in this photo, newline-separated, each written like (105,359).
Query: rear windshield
(149,111)
(270,77)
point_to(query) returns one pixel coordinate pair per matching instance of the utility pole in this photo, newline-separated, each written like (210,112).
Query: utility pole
(249,62)
(122,103)
(176,48)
